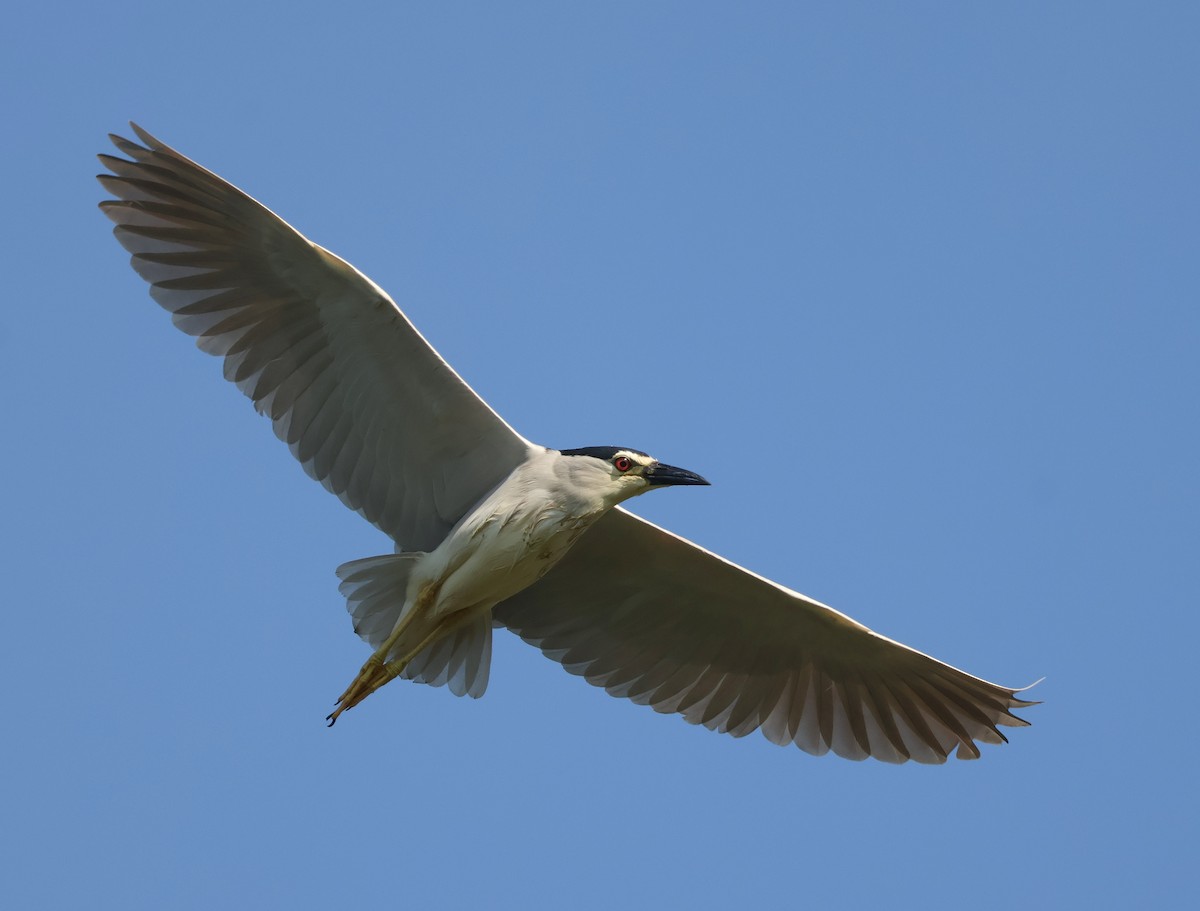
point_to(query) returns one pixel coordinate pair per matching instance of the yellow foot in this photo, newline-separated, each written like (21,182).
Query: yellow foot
(373,675)
(359,688)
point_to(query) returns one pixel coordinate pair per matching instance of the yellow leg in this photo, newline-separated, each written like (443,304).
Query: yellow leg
(358,690)
(382,673)
(393,669)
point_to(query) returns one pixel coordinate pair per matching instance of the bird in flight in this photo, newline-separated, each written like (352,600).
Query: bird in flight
(493,530)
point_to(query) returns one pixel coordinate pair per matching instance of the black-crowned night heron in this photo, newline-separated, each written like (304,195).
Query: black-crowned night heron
(491,529)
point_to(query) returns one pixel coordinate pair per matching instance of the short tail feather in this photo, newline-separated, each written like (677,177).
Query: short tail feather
(376,595)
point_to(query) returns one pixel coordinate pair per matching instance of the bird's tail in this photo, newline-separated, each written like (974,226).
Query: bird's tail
(376,590)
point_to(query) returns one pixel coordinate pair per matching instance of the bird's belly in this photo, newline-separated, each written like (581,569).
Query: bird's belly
(505,558)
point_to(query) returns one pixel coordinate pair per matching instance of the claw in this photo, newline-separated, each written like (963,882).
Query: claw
(372,676)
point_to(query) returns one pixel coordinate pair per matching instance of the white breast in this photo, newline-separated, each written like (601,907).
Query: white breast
(513,538)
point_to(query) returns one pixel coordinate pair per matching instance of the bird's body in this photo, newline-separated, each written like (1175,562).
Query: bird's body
(512,538)
(491,529)
(519,531)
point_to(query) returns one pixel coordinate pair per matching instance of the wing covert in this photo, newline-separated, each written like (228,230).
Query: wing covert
(685,631)
(362,400)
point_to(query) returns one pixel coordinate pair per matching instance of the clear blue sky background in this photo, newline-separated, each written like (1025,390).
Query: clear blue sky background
(915,285)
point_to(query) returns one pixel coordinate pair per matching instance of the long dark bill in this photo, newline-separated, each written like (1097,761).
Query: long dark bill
(662,475)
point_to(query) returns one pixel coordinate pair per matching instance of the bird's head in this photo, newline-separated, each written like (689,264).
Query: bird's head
(620,473)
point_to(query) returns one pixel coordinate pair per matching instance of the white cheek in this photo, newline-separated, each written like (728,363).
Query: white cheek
(633,486)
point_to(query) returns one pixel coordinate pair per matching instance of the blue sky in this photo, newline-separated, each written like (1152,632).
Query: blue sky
(920,284)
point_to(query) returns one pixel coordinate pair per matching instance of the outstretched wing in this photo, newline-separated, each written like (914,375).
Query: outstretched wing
(653,618)
(361,399)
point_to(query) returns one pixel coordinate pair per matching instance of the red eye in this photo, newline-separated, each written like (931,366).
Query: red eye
(622,463)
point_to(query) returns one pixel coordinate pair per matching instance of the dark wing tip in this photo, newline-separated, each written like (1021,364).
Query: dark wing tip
(1025,703)
(147,139)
